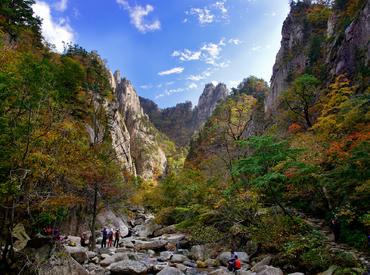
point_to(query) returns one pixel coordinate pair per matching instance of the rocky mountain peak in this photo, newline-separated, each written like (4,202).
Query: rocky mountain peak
(207,103)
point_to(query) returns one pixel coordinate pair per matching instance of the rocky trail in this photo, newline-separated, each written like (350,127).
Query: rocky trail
(152,249)
(322,226)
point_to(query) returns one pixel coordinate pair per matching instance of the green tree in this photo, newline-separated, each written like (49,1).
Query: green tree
(301,98)
(268,167)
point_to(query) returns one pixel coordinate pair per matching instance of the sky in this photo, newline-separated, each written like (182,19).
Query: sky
(169,49)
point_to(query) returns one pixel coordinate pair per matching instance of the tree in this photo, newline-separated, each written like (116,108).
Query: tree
(18,14)
(301,98)
(268,166)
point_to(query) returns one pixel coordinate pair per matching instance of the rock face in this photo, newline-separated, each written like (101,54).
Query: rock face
(207,103)
(180,122)
(342,53)
(63,266)
(134,137)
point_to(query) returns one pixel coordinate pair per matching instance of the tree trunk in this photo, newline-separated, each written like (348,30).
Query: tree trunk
(95,205)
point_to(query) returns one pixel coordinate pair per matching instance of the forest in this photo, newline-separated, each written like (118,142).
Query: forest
(253,174)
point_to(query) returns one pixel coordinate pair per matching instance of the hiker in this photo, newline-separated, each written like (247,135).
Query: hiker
(104,240)
(335,227)
(83,240)
(110,237)
(116,238)
(231,261)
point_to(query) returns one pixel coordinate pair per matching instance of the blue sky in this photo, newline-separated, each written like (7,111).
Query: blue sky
(170,49)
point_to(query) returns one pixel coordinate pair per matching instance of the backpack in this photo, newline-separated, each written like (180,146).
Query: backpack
(238,264)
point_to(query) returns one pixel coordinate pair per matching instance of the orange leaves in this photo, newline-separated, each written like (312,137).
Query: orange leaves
(342,149)
(294,128)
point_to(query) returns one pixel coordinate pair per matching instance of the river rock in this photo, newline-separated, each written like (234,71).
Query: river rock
(170,271)
(224,257)
(78,253)
(245,272)
(159,266)
(270,270)
(181,267)
(260,265)
(178,258)
(62,266)
(155,245)
(128,267)
(220,271)
(190,264)
(147,228)
(165,230)
(198,252)
(95,269)
(165,256)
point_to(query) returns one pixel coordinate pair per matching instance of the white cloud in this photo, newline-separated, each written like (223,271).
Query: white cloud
(187,55)
(61,5)
(56,33)
(192,86)
(235,41)
(137,15)
(170,92)
(215,12)
(146,86)
(201,76)
(176,70)
(209,53)
(204,15)
(256,48)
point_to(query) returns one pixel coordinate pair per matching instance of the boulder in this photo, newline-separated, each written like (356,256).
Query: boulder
(258,266)
(178,258)
(151,253)
(110,220)
(220,271)
(78,253)
(270,270)
(155,245)
(128,267)
(181,267)
(224,257)
(147,228)
(159,266)
(65,265)
(173,238)
(165,230)
(119,257)
(95,269)
(165,256)
(170,271)
(91,254)
(198,252)
(126,242)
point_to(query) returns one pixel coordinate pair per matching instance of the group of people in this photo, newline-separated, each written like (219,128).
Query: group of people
(108,235)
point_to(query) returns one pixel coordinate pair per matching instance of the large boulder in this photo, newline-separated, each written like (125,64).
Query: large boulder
(198,252)
(108,219)
(128,267)
(170,271)
(65,265)
(165,230)
(173,238)
(261,264)
(270,270)
(155,245)
(224,257)
(147,228)
(77,252)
